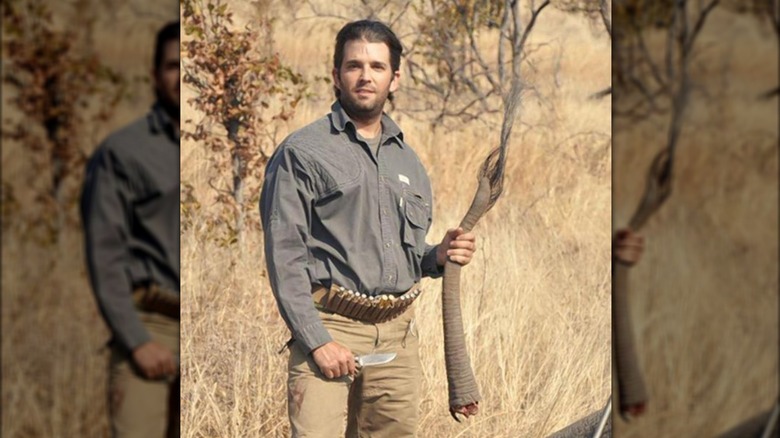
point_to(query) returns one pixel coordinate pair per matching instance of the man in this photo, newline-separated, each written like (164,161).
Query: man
(346,206)
(130,211)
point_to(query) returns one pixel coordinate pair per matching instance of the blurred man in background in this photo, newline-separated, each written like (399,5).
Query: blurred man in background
(130,213)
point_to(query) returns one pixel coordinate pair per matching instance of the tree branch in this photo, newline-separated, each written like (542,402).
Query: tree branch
(699,24)
(604,12)
(530,26)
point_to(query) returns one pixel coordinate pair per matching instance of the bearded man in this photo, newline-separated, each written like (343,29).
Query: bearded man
(130,213)
(346,206)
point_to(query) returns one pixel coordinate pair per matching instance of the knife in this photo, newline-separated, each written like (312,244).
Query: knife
(368,360)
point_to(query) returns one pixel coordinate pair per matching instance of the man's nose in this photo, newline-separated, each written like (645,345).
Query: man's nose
(364,74)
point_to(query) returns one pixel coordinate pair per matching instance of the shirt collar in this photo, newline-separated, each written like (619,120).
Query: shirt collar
(340,119)
(161,122)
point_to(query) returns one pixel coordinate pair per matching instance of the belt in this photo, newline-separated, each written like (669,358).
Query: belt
(155,299)
(353,305)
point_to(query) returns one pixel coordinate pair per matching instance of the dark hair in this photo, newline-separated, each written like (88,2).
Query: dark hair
(169,32)
(373,32)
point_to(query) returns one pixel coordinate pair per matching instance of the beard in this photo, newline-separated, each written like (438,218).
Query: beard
(169,105)
(363,110)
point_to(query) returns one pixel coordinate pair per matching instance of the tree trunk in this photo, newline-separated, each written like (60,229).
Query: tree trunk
(239,165)
(238,196)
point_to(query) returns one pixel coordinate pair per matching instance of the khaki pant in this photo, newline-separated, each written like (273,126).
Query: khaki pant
(383,399)
(140,407)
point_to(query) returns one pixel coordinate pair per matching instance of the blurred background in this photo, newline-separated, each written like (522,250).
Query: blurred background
(704,299)
(73,71)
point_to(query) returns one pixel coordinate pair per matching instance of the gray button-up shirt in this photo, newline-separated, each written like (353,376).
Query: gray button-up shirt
(334,211)
(130,213)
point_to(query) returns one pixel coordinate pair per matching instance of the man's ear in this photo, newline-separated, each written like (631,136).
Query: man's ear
(155,78)
(336,79)
(395,82)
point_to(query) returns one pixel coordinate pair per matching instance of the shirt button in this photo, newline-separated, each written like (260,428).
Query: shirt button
(389,277)
(387,245)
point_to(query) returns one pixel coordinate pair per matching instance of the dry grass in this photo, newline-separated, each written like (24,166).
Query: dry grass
(54,366)
(536,298)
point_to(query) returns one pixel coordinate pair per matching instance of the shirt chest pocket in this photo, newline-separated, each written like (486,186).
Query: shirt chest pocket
(416,219)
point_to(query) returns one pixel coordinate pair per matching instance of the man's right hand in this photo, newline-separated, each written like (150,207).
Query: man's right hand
(334,360)
(628,246)
(154,360)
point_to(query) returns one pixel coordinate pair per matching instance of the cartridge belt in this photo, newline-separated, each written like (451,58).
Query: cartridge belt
(373,310)
(155,299)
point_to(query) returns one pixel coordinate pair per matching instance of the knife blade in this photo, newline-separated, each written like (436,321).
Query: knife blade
(368,360)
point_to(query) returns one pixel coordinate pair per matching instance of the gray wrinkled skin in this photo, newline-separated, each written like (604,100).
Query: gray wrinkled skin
(584,427)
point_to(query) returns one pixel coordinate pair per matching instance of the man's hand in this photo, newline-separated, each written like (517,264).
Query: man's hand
(334,360)
(634,411)
(628,246)
(458,246)
(154,360)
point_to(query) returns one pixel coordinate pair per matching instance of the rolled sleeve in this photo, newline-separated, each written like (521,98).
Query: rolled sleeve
(285,209)
(428,265)
(104,216)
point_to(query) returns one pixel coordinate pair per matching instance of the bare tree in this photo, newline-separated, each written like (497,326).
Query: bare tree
(651,82)
(451,71)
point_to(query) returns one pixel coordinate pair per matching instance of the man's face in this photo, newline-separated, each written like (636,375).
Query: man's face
(365,78)
(166,76)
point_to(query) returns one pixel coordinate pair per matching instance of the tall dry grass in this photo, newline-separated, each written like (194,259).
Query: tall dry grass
(54,360)
(536,298)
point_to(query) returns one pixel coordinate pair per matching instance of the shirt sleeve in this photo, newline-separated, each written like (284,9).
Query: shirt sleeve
(285,209)
(106,230)
(428,265)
